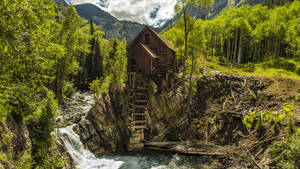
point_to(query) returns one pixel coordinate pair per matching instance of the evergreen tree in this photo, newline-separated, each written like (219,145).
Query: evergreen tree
(67,64)
(98,60)
(90,58)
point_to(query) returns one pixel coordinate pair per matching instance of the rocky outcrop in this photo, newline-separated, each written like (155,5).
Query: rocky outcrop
(218,107)
(105,129)
(75,107)
(15,139)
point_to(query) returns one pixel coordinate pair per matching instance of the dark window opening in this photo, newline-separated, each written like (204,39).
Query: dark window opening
(147,38)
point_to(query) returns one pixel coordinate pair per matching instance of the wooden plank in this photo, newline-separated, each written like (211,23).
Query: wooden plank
(138,127)
(139,121)
(141,101)
(139,114)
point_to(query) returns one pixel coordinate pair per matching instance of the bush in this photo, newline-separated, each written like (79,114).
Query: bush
(99,87)
(286,153)
(43,144)
(69,89)
(250,67)
(263,120)
(282,63)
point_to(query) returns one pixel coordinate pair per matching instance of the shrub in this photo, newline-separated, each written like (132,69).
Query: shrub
(43,144)
(99,87)
(263,120)
(281,63)
(69,89)
(286,153)
(250,67)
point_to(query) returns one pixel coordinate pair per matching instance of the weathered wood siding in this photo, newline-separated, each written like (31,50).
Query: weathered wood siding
(166,60)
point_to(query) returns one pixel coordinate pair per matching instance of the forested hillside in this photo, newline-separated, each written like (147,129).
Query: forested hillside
(45,53)
(112,27)
(245,36)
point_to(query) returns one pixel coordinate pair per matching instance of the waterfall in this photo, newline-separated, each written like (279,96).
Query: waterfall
(83,158)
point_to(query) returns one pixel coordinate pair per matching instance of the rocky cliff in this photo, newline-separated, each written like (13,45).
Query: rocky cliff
(105,129)
(14,140)
(218,108)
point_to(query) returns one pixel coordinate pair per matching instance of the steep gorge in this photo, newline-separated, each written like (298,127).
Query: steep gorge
(219,106)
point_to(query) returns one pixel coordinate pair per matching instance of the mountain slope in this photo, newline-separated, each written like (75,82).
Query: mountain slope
(218,7)
(112,27)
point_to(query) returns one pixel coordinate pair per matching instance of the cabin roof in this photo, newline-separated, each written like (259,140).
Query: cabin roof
(164,40)
(148,51)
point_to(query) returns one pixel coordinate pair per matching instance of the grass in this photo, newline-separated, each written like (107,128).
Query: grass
(259,69)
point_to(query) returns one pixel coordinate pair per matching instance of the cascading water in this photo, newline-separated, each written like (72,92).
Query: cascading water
(81,157)
(84,159)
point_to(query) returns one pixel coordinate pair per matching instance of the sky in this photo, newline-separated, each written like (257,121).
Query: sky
(151,12)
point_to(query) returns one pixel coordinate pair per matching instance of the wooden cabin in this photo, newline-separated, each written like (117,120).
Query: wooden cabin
(151,54)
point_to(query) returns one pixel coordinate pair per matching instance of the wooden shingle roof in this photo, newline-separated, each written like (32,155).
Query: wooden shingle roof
(162,39)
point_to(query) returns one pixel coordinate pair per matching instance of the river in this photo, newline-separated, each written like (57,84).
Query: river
(84,159)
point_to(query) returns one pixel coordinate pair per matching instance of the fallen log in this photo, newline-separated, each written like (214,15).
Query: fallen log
(187,148)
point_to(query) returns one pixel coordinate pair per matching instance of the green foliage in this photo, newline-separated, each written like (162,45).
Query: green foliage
(247,35)
(281,63)
(69,89)
(24,161)
(264,120)
(44,48)
(249,119)
(250,67)
(99,87)
(114,64)
(5,138)
(286,153)
(66,64)
(26,54)
(5,108)
(43,144)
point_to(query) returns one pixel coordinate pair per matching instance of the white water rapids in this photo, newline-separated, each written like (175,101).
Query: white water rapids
(84,159)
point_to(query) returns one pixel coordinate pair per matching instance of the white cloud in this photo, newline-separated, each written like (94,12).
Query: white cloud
(136,10)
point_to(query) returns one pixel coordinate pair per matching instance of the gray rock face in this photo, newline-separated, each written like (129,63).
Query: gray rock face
(14,138)
(105,130)
(106,127)
(19,136)
(75,108)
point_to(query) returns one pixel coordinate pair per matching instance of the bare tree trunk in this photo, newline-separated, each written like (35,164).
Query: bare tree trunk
(228,50)
(235,47)
(189,100)
(185,46)
(278,48)
(240,47)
